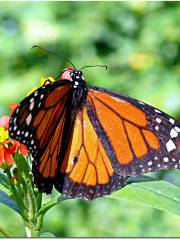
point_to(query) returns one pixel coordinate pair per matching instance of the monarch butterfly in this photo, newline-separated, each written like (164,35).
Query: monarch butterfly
(86,141)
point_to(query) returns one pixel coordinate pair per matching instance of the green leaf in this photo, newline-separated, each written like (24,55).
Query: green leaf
(23,168)
(48,205)
(6,200)
(4,179)
(5,233)
(44,208)
(139,179)
(25,183)
(158,194)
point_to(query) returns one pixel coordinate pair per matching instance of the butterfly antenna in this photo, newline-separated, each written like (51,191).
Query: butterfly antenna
(48,51)
(104,66)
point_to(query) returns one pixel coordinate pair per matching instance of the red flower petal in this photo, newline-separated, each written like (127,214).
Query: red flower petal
(13,147)
(23,150)
(4,122)
(1,154)
(8,157)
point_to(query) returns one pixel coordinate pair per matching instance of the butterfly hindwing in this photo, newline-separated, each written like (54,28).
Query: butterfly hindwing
(86,171)
(39,122)
(140,138)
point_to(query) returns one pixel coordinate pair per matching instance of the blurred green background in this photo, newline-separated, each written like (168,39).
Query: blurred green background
(140,44)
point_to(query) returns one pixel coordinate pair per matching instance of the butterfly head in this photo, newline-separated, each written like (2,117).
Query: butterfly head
(73,75)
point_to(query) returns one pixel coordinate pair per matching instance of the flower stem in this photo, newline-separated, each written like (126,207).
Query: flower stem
(31,231)
(28,232)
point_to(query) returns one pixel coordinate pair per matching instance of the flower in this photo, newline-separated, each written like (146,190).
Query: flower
(8,147)
(4,153)
(4,122)
(43,81)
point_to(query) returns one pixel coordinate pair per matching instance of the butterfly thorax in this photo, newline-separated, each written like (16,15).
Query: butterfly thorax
(76,78)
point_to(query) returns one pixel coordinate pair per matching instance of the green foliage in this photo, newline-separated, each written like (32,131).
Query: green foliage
(139,41)
(157,194)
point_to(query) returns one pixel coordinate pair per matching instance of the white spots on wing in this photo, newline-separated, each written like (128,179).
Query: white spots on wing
(17,110)
(41,97)
(39,105)
(141,103)
(31,100)
(173,133)
(177,129)
(76,83)
(176,166)
(28,119)
(18,132)
(35,93)
(158,120)
(31,106)
(173,159)
(15,127)
(77,77)
(26,134)
(156,128)
(170,145)
(15,119)
(156,158)
(150,163)
(165,159)
(156,110)
(159,165)
(171,120)
(32,142)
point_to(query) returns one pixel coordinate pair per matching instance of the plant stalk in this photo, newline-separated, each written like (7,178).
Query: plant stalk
(31,231)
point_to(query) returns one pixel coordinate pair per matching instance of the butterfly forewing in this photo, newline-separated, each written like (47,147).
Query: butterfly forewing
(39,122)
(140,138)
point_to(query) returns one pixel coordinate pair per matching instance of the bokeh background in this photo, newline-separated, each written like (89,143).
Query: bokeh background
(140,44)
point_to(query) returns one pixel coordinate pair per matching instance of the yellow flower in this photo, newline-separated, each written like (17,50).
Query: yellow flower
(43,81)
(3,134)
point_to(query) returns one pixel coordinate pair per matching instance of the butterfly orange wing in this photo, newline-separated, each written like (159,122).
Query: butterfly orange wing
(39,122)
(86,171)
(137,137)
